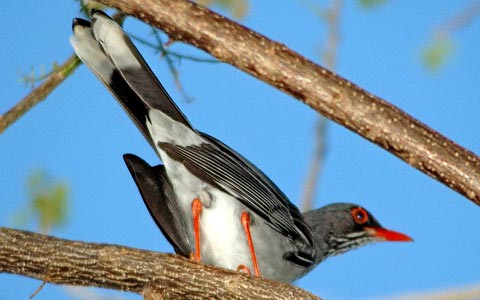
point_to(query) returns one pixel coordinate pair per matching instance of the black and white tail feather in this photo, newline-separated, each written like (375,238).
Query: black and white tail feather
(104,47)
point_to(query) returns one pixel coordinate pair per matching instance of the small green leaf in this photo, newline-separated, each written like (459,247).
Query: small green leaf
(87,5)
(435,55)
(50,206)
(47,202)
(369,4)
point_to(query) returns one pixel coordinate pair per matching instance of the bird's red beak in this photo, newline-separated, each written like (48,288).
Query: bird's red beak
(383,234)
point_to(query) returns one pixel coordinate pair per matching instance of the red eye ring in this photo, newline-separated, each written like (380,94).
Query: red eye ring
(360,215)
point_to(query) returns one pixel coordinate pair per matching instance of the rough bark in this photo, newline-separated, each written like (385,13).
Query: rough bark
(151,274)
(331,95)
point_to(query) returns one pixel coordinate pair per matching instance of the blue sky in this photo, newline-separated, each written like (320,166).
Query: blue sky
(79,135)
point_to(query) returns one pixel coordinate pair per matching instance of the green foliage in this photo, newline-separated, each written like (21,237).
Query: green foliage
(437,53)
(47,202)
(238,8)
(368,4)
(34,76)
(87,5)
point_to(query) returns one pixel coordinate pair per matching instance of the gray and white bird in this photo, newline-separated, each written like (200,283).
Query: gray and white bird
(209,201)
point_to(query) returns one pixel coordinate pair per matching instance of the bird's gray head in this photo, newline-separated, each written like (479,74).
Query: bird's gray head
(340,227)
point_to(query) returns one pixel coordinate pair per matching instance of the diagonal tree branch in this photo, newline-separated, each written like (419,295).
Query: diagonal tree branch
(331,95)
(151,274)
(58,75)
(51,82)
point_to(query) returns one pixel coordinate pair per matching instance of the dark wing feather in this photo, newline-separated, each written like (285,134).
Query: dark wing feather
(227,170)
(159,197)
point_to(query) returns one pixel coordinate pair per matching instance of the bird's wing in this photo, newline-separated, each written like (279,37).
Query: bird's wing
(159,197)
(227,170)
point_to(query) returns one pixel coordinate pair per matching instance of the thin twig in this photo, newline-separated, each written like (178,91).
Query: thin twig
(459,20)
(52,80)
(161,47)
(170,64)
(441,47)
(330,60)
(38,290)
(315,166)
(173,53)
(58,75)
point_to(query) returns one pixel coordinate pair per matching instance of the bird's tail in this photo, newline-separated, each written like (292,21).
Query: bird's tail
(110,54)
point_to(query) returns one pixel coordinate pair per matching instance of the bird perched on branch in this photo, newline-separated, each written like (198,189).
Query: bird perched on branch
(211,203)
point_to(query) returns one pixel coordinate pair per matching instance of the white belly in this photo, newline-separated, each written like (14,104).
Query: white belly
(223,241)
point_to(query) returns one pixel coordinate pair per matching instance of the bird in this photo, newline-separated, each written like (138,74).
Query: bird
(211,203)
(336,228)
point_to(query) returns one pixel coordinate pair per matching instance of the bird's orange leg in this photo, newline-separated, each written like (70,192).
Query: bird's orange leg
(245,219)
(196,212)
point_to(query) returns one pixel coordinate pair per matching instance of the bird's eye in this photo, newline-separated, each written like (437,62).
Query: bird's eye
(360,215)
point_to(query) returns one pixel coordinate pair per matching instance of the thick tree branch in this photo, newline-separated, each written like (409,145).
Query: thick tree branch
(331,95)
(59,74)
(151,274)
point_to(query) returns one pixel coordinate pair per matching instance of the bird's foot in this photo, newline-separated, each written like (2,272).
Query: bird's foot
(193,257)
(244,269)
